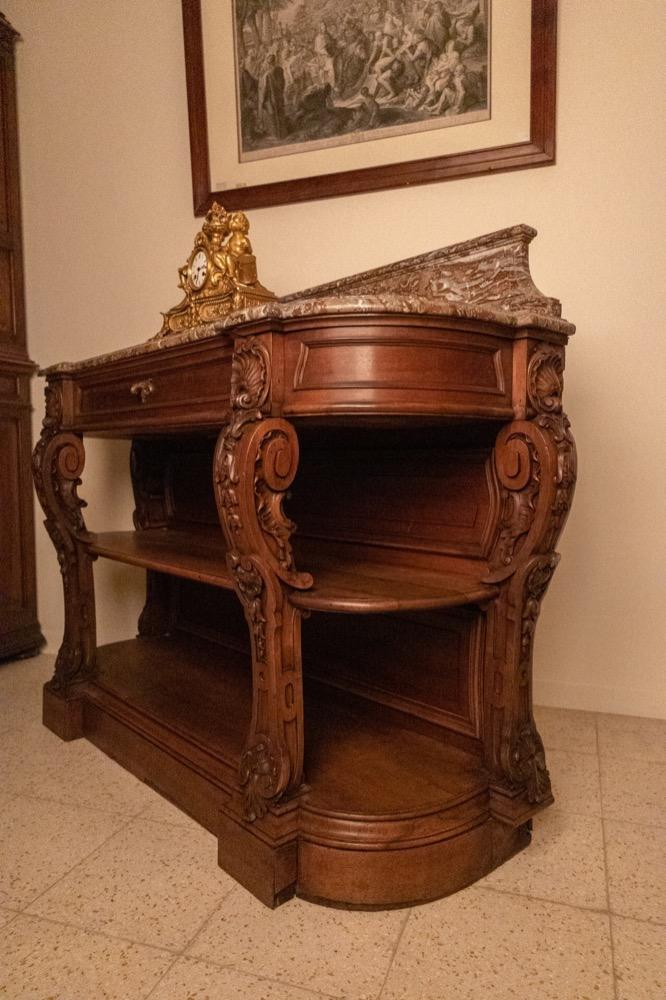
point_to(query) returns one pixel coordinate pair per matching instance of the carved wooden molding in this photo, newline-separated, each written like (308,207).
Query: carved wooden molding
(57,464)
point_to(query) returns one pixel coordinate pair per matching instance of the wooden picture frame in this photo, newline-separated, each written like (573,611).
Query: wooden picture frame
(537,150)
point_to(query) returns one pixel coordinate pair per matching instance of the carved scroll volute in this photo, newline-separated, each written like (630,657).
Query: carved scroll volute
(526,471)
(255,463)
(535,467)
(57,462)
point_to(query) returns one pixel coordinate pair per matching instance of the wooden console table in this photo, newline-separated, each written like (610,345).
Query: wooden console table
(346,705)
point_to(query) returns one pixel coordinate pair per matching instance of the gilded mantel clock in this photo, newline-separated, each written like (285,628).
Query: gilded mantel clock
(220,275)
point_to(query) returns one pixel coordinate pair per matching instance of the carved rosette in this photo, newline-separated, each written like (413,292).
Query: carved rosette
(57,464)
(255,463)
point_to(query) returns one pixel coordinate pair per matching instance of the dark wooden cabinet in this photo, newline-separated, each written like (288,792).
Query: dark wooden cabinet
(19,630)
(347,505)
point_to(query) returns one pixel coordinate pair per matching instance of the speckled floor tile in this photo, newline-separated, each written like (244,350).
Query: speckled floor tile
(192,979)
(566,729)
(41,841)
(575,779)
(6,915)
(75,773)
(21,683)
(46,961)
(633,790)
(636,858)
(640,960)
(336,952)
(153,883)
(160,810)
(564,863)
(632,737)
(479,944)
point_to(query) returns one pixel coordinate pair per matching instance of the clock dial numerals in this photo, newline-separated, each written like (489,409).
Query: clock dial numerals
(198,269)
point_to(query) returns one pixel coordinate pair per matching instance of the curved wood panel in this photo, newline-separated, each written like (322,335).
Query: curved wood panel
(387,365)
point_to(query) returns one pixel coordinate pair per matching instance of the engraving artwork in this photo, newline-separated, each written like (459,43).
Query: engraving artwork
(331,72)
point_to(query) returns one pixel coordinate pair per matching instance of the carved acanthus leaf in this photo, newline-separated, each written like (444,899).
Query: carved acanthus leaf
(558,427)
(527,762)
(250,587)
(250,387)
(535,587)
(259,776)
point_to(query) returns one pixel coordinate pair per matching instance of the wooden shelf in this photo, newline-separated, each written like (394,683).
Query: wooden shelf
(196,554)
(341,583)
(356,763)
(358,586)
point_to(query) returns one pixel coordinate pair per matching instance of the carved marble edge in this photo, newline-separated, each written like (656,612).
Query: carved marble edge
(334,305)
(467,252)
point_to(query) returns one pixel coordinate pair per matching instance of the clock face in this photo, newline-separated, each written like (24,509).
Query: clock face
(198,269)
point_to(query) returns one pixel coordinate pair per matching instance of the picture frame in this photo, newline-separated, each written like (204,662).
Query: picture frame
(535,149)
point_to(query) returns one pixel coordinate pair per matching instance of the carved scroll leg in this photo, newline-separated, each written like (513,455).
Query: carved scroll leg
(255,464)
(535,465)
(271,765)
(523,755)
(58,461)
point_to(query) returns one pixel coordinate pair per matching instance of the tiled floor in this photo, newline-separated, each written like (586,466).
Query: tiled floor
(106,891)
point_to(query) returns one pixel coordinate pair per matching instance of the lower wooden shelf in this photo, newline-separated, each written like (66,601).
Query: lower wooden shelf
(388,816)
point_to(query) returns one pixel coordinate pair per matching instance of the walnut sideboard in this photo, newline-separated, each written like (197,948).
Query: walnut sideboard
(347,504)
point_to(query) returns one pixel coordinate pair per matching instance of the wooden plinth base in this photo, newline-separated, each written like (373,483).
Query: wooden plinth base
(389,817)
(63,716)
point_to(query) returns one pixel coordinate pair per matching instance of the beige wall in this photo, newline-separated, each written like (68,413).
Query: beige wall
(108,219)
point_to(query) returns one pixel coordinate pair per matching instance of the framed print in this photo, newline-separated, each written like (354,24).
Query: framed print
(292,100)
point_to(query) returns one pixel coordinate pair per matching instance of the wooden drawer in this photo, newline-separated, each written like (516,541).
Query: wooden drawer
(155,392)
(386,366)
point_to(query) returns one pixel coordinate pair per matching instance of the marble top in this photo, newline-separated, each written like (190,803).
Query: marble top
(487,279)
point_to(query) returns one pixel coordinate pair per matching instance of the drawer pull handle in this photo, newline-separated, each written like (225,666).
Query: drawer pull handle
(143,390)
